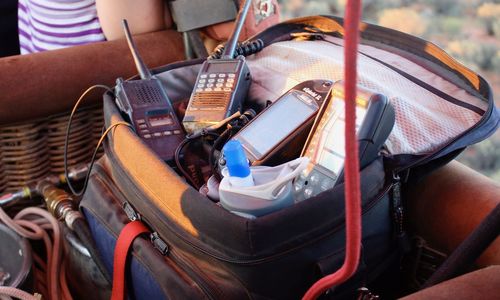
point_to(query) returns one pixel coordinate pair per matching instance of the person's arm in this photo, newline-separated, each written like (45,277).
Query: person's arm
(142,16)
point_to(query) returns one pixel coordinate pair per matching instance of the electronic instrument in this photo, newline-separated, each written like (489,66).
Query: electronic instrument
(221,86)
(278,133)
(146,106)
(325,146)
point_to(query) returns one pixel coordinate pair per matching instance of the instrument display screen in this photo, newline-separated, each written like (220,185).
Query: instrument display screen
(276,123)
(327,145)
(160,118)
(222,67)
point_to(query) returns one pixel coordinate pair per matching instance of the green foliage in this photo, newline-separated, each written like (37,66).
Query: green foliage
(474,55)
(489,13)
(449,26)
(403,19)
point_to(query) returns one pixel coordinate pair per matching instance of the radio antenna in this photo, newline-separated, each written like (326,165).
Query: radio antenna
(139,63)
(230,48)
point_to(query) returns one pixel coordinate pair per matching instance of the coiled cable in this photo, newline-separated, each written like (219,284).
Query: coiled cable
(246,48)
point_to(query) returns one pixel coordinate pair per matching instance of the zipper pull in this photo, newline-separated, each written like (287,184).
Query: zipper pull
(399,214)
(130,212)
(158,243)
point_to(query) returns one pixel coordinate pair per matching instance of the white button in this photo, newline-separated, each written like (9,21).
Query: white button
(177,132)
(212,75)
(210,85)
(141,121)
(167,132)
(202,80)
(203,76)
(217,89)
(231,75)
(222,75)
(229,85)
(157,134)
(220,80)
(143,126)
(219,85)
(308,193)
(200,85)
(147,136)
(230,80)
(227,90)
(199,90)
(211,80)
(208,89)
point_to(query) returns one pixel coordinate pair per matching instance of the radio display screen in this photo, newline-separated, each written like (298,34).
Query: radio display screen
(160,118)
(276,123)
(222,67)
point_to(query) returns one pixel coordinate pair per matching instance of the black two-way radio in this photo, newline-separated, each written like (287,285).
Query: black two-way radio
(147,107)
(222,84)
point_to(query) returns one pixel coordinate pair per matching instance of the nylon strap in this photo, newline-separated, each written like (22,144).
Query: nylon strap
(127,236)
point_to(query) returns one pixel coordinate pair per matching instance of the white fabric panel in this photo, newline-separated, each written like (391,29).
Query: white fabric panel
(424,121)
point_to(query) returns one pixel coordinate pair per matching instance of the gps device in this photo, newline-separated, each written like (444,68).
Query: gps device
(221,86)
(147,107)
(325,146)
(278,133)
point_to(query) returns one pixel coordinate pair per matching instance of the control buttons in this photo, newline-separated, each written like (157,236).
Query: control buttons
(229,85)
(308,192)
(220,80)
(210,85)
(147,136)
(200,85)
(227,89)
(167,132)
(157,134)
(177,132)
(199,90)
(222,75)
(219,85)
(141,121)
(231,75)
(203,76)
(143,126)
(211,80)
(230,80)
(212,75)
(208,89)
(217,89)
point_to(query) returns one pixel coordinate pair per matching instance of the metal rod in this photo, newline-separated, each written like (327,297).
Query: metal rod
(230,48)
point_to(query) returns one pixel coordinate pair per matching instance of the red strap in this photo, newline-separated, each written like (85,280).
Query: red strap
(127,236)
(351,168)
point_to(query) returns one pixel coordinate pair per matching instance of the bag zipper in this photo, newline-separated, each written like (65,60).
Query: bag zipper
(130,186)
(162,247)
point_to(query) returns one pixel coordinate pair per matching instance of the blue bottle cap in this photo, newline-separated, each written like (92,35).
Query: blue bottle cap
(236,160)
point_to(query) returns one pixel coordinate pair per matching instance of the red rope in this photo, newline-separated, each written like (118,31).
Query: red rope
(351,168)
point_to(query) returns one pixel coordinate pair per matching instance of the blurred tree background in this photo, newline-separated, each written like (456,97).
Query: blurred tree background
(469,30)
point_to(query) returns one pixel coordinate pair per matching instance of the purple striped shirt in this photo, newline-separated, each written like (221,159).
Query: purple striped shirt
(53,24)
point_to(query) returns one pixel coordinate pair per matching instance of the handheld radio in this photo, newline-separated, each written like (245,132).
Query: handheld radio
(147,107)
(222,84)
(325,146)
(278,133)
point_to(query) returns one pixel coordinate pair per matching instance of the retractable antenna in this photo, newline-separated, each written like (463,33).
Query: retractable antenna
(139,63)
(230,48)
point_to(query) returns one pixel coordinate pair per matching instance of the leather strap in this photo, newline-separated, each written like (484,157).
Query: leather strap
(127,236)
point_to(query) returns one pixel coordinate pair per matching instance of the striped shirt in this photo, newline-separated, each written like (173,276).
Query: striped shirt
(53,24)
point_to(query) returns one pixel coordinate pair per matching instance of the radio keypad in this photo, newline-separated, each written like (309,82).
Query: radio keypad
(215,82)
(307,186)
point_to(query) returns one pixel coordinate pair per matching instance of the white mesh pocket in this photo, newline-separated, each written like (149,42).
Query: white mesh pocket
(424,121)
